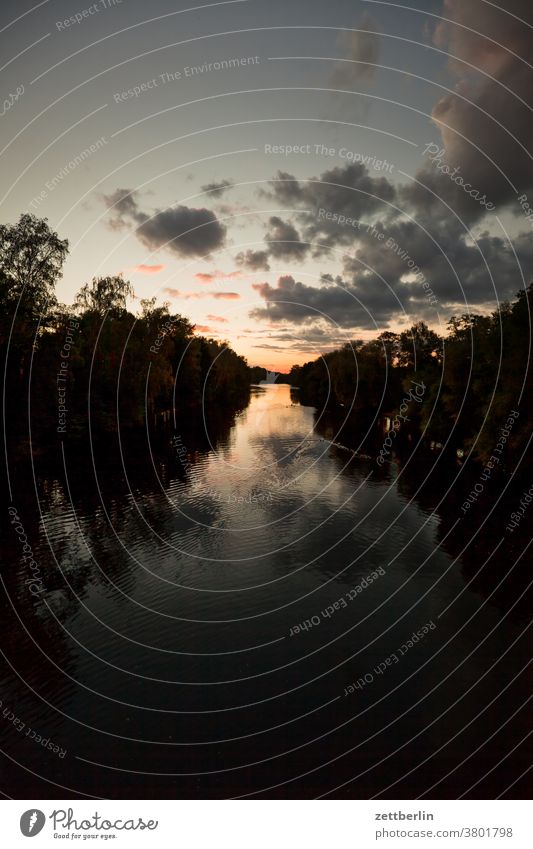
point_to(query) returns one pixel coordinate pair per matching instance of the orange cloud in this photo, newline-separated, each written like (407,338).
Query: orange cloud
(148,269)
(201,328)
(217,318)
(211,276)
(225,296)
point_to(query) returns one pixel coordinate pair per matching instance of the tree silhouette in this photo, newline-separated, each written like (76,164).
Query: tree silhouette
(31,259)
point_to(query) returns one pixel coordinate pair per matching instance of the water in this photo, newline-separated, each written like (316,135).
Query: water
(164,651)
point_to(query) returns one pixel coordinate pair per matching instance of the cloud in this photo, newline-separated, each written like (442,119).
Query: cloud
(459,272)
(225,296)
(361,49)
(253,260)
(219,296)
(480,145)
(211,276)
(177,293)
(344,190)
(122,208)
(148,269)
(312,339)
(453,267)
(304,347)
(182,230)
(217,318)
(283,240)
(404,276)
(217,189)
(202,328)
(271,347)
(298,303)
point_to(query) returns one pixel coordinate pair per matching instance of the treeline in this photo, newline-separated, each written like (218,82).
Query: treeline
(259,373)
(469,382)
(63,364)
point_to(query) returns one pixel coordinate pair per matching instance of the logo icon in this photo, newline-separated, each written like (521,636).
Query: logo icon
(271,377)
(32,822)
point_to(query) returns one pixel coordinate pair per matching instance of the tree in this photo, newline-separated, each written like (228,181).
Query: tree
(31,259)
(419,346)
(105,295)
(390,343)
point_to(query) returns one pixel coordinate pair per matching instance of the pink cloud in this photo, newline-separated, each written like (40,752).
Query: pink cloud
(148,269)
(217,318)
(211,276)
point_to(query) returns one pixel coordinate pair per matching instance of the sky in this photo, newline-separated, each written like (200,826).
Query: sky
(288,175)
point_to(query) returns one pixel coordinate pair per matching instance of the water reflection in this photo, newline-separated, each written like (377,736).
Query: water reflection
(176,566)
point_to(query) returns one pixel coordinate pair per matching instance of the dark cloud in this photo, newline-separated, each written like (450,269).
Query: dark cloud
(184,231)
(283,240)
(253,260)
(458,270)
(452,270)
(217,189)
(312,339)
(345,192)
(492,72)
(122,208)
(404,276)
(298,303)
(268,347)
